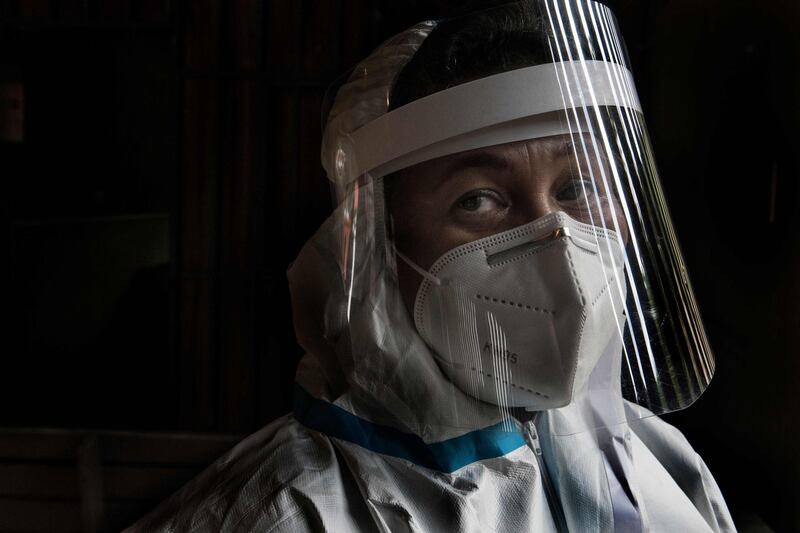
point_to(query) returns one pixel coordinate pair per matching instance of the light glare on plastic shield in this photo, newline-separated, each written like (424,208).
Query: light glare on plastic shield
(584,310)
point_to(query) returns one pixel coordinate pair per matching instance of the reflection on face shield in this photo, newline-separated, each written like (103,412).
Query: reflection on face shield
(520,315)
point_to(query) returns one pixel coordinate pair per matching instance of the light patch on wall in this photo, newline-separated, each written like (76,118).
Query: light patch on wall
(12,111)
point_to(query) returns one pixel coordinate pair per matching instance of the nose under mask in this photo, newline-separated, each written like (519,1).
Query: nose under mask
(521,318)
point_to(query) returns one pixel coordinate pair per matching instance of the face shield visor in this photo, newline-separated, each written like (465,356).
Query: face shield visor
(503,242)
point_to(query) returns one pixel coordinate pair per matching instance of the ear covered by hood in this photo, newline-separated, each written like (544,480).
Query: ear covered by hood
(367,93)
(363,351)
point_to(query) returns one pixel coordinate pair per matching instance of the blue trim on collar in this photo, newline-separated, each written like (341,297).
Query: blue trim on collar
(445,456)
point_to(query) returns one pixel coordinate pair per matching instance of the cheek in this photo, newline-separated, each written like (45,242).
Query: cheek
(423,242)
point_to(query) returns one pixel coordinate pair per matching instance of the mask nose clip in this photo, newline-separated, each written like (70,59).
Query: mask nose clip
(555,235)
(521,249)
(587,245)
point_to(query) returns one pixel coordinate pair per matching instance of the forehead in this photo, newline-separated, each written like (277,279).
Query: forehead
(507,155)
(509,159)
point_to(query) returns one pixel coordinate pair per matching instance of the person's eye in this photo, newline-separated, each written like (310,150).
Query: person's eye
(575,190)
(481,201)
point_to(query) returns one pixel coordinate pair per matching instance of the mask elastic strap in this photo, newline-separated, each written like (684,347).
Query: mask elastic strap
(419,270)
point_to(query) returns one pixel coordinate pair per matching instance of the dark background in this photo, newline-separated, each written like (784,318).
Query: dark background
(166,171)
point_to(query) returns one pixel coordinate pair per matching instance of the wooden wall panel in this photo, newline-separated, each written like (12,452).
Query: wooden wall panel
(243,32)
(238,251)
(200,26)
(111,10)
(71,10)
(353,33)
(198,257)
(313,202)
(57,481)
(40,516)
(281,175)
(321,42)
(152,11)
(283,41)
(34,8)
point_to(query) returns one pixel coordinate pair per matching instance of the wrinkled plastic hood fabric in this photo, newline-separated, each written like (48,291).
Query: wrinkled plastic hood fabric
(376,366)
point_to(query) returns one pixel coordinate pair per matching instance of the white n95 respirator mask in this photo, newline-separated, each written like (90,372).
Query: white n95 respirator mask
(521,318)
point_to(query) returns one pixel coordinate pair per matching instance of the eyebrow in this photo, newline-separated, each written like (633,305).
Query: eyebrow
(485,159)
(560,148)
(491,160)
(565,148)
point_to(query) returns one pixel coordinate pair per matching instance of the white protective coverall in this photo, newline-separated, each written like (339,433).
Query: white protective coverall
(382,440)
(325,469)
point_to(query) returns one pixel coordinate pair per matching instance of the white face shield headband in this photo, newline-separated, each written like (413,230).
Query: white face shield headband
(522,104)
(524,317)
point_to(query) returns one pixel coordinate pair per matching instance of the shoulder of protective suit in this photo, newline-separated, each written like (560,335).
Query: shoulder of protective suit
(273,480)
(675,454)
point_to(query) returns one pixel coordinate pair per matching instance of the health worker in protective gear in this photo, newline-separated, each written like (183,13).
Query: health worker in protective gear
(495,311)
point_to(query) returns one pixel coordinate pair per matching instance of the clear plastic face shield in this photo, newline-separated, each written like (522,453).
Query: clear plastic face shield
(504,243)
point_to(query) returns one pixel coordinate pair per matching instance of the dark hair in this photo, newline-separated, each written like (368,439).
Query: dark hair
(470,47)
